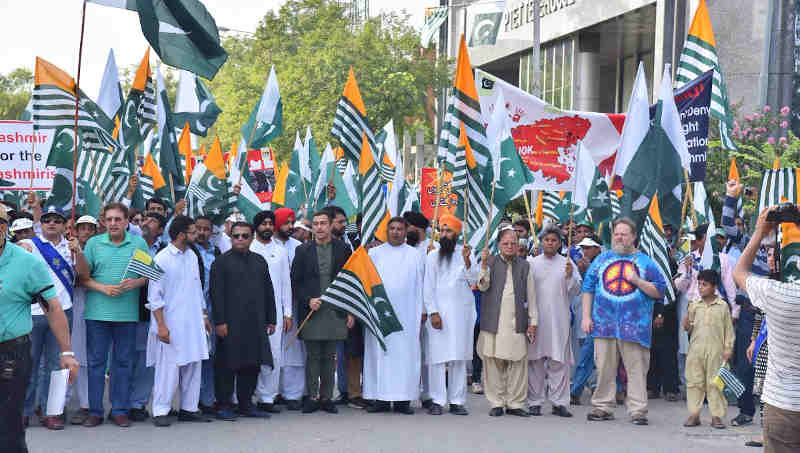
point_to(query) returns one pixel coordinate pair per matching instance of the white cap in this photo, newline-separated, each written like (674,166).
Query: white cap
(301,225)
(588,242)
(86,219)
(21,224)
(235,217)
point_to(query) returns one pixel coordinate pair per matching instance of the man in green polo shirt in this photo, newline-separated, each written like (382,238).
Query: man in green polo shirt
(23,276)
(112,310)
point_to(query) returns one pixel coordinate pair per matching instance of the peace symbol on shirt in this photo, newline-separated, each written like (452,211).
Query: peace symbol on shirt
(616,278)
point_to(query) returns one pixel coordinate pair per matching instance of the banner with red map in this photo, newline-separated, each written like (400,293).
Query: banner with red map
(547,138)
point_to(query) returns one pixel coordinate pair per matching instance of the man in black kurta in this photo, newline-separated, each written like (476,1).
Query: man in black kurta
(244,313)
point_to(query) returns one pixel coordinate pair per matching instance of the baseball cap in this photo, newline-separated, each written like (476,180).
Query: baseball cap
(302,226)
(588,242)
(52,210)
(86,219)
(21,224)
(235,217)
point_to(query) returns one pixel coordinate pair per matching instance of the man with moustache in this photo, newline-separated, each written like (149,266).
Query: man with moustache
(393,375)
(449,277)
(620,290)
(417,226)
(208,252)
(292,373)
(243,301)
(550,358)
(277,260)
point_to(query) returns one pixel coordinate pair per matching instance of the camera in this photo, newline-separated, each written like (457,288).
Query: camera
(785,212)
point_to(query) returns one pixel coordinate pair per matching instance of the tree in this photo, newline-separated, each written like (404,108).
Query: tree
(15,92)
(312,46)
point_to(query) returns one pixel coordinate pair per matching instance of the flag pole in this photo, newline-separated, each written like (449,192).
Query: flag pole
(571,222)
(685,199)
(77,105)
(297,332)
(466,212)
(491,210)
(528,209)
(435,222)
(172,190)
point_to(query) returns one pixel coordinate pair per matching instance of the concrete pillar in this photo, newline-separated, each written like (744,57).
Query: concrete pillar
(664,45)
(587,83)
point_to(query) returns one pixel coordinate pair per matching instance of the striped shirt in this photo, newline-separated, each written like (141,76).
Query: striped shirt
(781,303)
(107,263)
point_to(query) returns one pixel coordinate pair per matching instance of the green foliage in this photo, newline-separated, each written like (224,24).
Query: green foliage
(15,91)
(312,46)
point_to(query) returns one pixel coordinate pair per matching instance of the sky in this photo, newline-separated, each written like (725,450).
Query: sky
(51,29)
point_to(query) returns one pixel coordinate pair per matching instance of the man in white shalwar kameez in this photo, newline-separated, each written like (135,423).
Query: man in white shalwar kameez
(393,375)
(550,357)
(177,341)
(277,260)
(449,303)
(293,363)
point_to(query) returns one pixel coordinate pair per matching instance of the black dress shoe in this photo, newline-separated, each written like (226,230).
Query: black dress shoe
(342,400)
(162,421)
(561,411)
(496,412)
(435,409)
(310,406)
(206,410)
(329,407)
(403,407)
(378,407)
(518,412)
(293,405)
(426,404)
(640,421)
(457,409)
(186,416)
(269,407)
(138,415)
(535,411)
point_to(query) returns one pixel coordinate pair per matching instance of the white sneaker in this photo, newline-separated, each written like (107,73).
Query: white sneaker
(477,388)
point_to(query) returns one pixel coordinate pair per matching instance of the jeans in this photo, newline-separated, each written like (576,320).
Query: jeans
(477,364)
(341,368)
(744,369)
(15,370)
(120,337)
(141,381)
(44,347)
(207,397)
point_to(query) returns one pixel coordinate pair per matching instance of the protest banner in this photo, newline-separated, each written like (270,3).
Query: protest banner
(17,143)
(448,200)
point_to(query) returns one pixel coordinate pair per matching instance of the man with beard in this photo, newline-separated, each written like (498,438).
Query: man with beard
(339,226)
(292,373)
(245,316)
(550,358)
(176,344)
(315,266)
(278,262)
(393,375)
(302,231)
(620,290)
(450,276)
(208,253)
(416,236)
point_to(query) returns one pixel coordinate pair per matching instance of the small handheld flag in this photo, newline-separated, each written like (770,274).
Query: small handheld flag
(142,264)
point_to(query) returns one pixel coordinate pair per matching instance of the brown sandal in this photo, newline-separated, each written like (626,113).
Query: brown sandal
(692,421)
(716,422)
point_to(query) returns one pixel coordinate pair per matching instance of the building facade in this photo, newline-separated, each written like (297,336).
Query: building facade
(590,49)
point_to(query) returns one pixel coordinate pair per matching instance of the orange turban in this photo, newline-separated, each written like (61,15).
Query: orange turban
(451,222)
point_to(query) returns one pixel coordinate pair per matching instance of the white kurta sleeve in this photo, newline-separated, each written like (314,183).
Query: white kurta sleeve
(471,274)
(155,289)
(574,282)
(430,284)
(286,291)
(533,308)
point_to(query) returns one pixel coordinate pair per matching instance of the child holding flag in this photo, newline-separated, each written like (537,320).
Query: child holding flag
(708,322)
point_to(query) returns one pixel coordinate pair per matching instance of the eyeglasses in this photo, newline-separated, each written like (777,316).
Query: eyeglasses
(52,220)
(241,235)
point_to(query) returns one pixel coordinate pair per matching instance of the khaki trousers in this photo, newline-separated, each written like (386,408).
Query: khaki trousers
(505,382)
(636,359)
(781,430)
(354,377)
(701,369)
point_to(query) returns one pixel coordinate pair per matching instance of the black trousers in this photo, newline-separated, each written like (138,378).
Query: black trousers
(244,379)
(15,371)
(477,363)
(320,368)
(663,372)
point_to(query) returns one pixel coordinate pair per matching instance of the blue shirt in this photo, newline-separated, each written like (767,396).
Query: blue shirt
(619,309)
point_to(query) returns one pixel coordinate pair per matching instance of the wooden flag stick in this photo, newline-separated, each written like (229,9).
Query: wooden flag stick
(571,223)
(466,212)
(297,332)
(528,210)
(77,105)
(692,212)
(438,201)
(172,190)
(491,213)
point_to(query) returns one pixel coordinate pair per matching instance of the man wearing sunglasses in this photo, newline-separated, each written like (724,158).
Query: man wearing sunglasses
(64,259)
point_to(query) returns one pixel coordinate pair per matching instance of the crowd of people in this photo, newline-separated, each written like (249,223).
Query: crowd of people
(234,324)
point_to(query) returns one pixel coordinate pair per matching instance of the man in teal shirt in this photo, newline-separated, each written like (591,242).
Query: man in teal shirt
(112,310)
(22,277)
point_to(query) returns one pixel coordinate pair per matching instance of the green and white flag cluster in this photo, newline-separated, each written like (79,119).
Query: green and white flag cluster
(510,172)
(195,105)
(433,23)
(265,122)
(320,192)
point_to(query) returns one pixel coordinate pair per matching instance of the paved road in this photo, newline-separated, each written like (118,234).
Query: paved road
(356,431)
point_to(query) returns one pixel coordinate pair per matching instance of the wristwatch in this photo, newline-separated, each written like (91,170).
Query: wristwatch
(68,354)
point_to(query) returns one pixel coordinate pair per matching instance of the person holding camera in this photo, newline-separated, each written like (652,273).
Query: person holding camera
(781,303)
(24,281)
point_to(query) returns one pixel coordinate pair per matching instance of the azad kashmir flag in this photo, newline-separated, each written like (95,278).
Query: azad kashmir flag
(386,146)
(548,138)
(467,109)
(699,55)
(138,116)
(182,32)
(290,189)
(654,244)
(151,180)
(652,156)
(265,122)
(208,192)
(350,122)
(358,290)
(204,110)
(777,184)
(373,204)
(141,263)
(168,155)
(703,213)
(54,95)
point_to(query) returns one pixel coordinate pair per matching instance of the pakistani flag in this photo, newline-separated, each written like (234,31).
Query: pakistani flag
(168,155)
(654,244)
(310,153)
(289,189)
(182,33)
(702,208)
(60,195)
(206,113)
(790,252)
(556,205)
(358,290)
(320,192)
(266,120)
(657,166)
(208,192)
(110,97)
(511,174)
